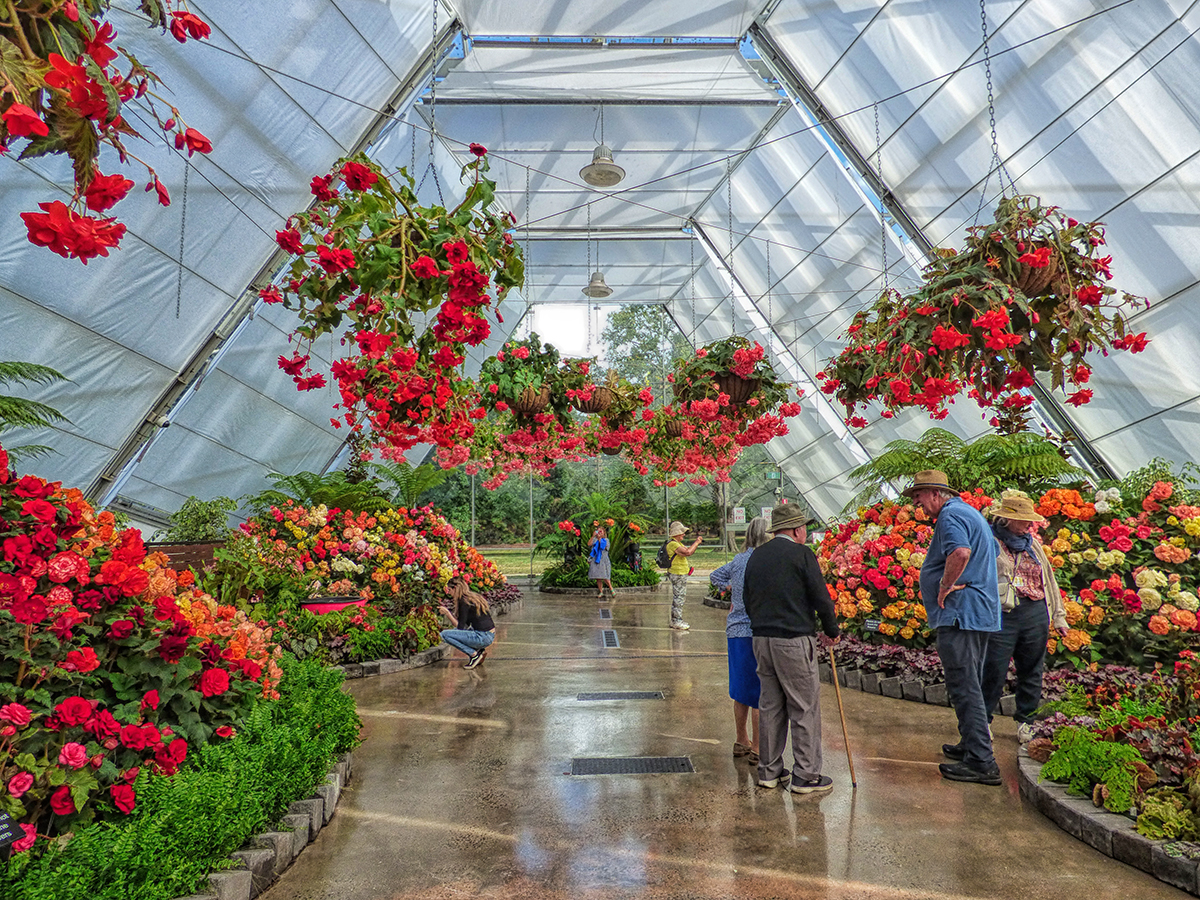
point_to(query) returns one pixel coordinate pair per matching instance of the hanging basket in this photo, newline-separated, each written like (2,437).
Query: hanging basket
(1033,282)
(611,451)
(532,402)
(673,428)
(739,389)
(602,399)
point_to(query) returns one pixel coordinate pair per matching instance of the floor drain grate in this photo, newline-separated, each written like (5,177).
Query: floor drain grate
(632,765)
(610,639)
(622,695)
(606,613)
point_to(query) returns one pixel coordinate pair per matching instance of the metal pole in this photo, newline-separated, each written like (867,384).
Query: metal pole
(472,510)
(667,510)
(531,525)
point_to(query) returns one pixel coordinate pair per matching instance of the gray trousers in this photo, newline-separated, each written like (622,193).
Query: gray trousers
(678,595)
(963,653)
(791,694)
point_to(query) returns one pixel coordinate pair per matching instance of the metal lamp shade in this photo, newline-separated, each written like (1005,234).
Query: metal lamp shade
(602,171)
(596,287)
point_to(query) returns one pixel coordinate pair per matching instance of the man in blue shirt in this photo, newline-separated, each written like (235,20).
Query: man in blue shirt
(962,601)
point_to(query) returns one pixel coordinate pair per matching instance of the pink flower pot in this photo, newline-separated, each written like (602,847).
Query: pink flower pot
(321,605)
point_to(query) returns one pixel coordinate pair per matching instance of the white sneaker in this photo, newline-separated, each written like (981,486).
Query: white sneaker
(1024,733)
(680,626)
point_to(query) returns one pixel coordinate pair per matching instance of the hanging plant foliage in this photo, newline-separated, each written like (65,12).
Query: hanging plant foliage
(65,82)
(369,259)
(1028,293)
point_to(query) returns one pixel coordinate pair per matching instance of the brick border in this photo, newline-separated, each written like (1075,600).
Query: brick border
(267,856)
(1112,834)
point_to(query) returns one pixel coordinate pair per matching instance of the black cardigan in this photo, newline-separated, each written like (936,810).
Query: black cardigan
(785,592)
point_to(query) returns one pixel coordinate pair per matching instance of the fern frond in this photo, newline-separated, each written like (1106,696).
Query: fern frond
(28,373)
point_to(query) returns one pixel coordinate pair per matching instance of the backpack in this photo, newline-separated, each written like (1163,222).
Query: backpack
(664,559)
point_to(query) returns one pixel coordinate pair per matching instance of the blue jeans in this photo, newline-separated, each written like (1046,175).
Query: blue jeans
(469,642)
(1021,638)
(963,653)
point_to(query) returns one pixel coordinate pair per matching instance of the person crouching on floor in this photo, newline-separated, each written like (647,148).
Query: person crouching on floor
(473,631)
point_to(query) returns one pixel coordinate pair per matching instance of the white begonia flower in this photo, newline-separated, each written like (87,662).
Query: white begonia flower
(1187,601)
(1113,495)
(1102,507)
(1151,578)
(1151,599)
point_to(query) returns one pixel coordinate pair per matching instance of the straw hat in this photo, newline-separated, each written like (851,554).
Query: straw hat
(930,479)
(677,528)
(788,515)
(1018,509)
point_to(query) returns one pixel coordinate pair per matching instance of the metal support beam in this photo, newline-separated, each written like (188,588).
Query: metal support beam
(587,100)
(136,444)
(795,83)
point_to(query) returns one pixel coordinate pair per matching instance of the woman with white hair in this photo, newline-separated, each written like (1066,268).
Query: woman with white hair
(743,675)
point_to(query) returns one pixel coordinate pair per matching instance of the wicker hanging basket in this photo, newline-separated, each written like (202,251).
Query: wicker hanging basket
(673,428)
(739,389)
(602,399)
(532,402)
(1033,282)
(611,451)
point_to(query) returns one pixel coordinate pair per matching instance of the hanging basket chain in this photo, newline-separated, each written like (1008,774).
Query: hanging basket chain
(528,254)
(433,111)
(187,168)
(882,209)
(692,278)
(770,309)
(729,224)
(996,164)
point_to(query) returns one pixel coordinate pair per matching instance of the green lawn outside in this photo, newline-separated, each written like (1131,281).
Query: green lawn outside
(515,561)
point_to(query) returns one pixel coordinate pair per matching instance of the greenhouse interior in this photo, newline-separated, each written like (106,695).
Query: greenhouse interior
(383,382)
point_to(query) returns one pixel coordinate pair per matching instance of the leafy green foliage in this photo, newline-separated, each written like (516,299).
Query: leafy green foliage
(1165,817)
(1082,761)
(993,462)
(200,520)
(228,791)
(20,412)
(408,483)
(1185,477)
(575,575)
(333,490)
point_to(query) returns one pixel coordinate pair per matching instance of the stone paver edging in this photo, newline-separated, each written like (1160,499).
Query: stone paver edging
(266,856)
(583,592)
(1112,834)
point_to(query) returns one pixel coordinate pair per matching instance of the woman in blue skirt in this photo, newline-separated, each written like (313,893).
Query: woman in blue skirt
(743,670)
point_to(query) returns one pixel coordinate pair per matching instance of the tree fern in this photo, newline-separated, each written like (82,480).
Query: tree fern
(992,462)
(409,483)
(310,489)
(19,412)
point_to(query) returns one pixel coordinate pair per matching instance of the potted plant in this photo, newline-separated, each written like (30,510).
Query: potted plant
(523,378)
(1029,293)
(620,425)
(732,372)
(64,92)
(367,254)
(582,392)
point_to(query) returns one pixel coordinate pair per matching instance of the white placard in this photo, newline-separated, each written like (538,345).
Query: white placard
(739,515)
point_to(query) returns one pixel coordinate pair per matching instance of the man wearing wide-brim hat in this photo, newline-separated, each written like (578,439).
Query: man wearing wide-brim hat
(962,605)
(1030,600)
(785,594)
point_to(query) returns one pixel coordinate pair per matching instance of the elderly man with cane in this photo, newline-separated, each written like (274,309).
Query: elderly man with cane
(958,588)
(785,594)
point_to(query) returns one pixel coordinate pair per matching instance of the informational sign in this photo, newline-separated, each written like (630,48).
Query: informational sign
(773,476)
(872,624)
(739,515)
(766,514)
(9,832)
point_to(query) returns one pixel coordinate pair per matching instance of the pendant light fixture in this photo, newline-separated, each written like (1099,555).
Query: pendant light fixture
(602,171)
(596,288)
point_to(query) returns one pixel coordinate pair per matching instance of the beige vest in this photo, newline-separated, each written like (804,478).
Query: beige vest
(1008,595)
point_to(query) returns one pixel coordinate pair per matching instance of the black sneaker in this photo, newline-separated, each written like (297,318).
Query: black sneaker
(476,659)
(962,772)
(954,752)
(820,783)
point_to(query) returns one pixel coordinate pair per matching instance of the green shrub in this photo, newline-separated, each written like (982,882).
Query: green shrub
(575,575)
(1082,761)
(226,793)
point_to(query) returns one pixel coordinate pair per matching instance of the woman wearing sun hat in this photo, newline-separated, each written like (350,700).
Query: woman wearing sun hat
(1030,601)
(679,571)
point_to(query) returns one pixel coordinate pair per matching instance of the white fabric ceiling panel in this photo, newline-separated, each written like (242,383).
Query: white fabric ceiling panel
(530,72)
(1172,437)
(660,18)
(109,388)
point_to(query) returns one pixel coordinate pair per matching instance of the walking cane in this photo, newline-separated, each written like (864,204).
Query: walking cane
(837,689)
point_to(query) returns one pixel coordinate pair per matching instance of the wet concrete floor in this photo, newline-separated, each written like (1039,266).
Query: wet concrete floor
(461,787)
